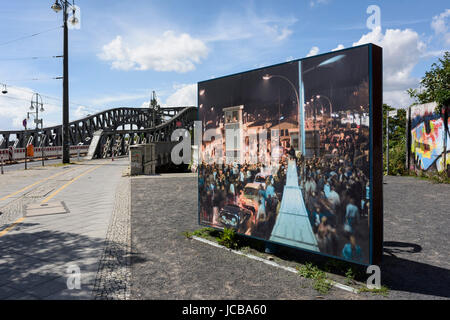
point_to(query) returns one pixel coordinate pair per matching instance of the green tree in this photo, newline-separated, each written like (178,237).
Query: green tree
(397,140)
(435,85)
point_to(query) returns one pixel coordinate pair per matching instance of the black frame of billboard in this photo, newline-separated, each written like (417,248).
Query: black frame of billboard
(375,153)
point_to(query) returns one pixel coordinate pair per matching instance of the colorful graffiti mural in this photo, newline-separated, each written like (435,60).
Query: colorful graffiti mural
(429,139)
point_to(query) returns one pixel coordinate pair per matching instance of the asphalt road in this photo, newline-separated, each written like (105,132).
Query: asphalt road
(34,164)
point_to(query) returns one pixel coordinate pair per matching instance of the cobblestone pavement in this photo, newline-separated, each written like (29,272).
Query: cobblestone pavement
(416,261)
(38,254)
(166,265)
(114,274)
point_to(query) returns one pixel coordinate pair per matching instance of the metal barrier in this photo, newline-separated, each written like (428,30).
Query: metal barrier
(14,154)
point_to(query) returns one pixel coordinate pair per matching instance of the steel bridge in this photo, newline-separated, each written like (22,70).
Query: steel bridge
(115,130)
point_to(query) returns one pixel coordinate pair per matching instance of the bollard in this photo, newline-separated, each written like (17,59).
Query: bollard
(2,163)
(42,154)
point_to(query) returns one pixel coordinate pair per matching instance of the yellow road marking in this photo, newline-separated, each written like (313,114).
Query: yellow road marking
(36,183)
(3,232)
(54,193)
(18,221)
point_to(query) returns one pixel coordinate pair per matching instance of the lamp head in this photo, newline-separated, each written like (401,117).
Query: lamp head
(267,77)
(56,6)
(74,20)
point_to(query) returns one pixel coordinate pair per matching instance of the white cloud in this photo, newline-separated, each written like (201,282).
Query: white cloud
(339,47)
(14,107)
(314,51)
(313,3)
(102,101)
(169,52)
(402,50)
(185,95)
(440,25)
(250,25)
(277,33)
(83,111)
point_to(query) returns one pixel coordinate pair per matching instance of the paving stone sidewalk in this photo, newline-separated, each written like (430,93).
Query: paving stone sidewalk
(38,255)
(114,274)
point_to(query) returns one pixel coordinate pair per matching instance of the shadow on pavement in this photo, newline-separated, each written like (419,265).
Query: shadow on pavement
(410,276)
(34,264)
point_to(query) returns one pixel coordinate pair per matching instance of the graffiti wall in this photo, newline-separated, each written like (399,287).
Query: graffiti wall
(429,138)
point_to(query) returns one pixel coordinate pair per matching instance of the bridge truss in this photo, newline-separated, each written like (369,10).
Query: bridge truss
(119,128)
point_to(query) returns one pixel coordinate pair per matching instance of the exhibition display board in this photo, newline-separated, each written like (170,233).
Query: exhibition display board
(292,154)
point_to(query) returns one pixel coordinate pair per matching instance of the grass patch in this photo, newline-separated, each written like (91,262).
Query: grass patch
(310,271)
(206,233)
(433,177)
(351,272)
(61,164)
(383,291)
(228,239)
(350,276)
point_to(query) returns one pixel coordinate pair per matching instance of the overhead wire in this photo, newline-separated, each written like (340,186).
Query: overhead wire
(29,58)
(28,36)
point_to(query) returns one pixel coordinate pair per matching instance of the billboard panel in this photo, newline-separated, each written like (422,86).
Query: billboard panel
(290,154)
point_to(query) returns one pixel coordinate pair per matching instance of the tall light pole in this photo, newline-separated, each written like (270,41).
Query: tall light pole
(64,6)
(36,103)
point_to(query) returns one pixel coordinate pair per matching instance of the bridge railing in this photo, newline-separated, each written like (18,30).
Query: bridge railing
(15,154)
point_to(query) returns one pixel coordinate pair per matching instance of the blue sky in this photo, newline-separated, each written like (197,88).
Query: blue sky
(125,49)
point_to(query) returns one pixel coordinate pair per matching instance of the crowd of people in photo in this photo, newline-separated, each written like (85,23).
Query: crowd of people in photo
(336,190)
(334,184)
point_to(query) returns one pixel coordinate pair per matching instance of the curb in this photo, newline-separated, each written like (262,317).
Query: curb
(272,263)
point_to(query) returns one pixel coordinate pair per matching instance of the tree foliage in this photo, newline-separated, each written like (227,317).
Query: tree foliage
(435,85)
(397,140)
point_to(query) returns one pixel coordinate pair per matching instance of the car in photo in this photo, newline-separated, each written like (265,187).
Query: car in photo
(233,217)
(250,196)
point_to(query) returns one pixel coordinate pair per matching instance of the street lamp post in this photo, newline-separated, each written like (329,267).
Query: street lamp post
(36,103)
(64,6)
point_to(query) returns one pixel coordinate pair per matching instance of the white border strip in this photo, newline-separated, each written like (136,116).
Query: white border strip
(272,263)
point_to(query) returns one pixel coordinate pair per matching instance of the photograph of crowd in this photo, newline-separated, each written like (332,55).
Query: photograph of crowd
(306,183)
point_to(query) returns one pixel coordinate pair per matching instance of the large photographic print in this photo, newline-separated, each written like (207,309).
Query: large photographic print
(286,154)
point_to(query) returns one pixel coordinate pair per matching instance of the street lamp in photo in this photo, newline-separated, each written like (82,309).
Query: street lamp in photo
(267,77)
(319,96)
(64,6)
